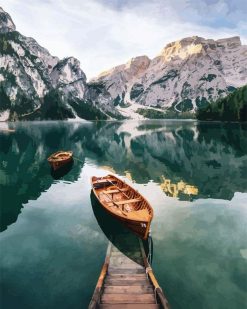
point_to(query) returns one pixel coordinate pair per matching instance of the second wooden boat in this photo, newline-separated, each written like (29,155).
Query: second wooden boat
(124,203)
(60,158)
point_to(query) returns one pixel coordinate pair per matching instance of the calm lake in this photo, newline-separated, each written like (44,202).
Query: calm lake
(194,174)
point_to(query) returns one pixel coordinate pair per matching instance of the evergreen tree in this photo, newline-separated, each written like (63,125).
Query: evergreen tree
(231,108)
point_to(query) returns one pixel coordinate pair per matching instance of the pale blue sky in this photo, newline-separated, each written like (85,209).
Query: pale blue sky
(105,33)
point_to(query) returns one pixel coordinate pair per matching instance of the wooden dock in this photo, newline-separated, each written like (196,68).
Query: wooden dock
(127,281)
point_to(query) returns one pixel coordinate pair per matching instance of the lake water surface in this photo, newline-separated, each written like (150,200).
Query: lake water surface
(194,175)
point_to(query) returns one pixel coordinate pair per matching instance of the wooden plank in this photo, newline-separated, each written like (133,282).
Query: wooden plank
(138,289)
(112,282)
(127,276)
(129,306)
(113,270)
(124,259)
(125,266)
(126,253)
(128,298)
(127,258)
(104,180)
(134,200)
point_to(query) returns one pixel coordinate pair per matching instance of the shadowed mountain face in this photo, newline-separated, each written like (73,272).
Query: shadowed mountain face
(188,160)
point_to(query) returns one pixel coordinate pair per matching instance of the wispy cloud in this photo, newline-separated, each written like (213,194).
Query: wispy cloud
(102,34)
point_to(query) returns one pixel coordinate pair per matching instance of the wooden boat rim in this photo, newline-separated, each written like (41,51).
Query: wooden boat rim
(60,156)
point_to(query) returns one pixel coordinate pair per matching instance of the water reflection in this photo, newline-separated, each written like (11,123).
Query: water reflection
(209,160)
(59,228)
(181,189)
(24,171)
(62,171)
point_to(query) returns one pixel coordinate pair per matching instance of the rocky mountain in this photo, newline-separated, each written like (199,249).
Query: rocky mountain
(185,76)
(37,85)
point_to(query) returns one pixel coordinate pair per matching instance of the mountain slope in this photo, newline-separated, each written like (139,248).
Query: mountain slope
(37,85)
(186,75)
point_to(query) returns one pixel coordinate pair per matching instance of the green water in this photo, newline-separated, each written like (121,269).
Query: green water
(194,175)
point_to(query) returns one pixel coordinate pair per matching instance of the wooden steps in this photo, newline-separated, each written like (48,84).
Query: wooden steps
(126,280)
(124,289)
(126,284)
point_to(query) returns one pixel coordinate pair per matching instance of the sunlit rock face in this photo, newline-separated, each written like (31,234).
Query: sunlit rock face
(118,78)
(186,75)
(36,85)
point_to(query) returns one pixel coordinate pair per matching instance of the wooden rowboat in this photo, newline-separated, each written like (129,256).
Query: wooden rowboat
(124,203)
(60,158)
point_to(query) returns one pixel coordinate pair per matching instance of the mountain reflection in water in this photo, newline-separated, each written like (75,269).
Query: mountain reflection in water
(207,160)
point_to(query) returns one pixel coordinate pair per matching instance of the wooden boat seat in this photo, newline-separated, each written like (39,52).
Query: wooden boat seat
(134,200)
(115,191)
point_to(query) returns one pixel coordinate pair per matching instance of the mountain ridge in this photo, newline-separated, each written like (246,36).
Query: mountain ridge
(186,75)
